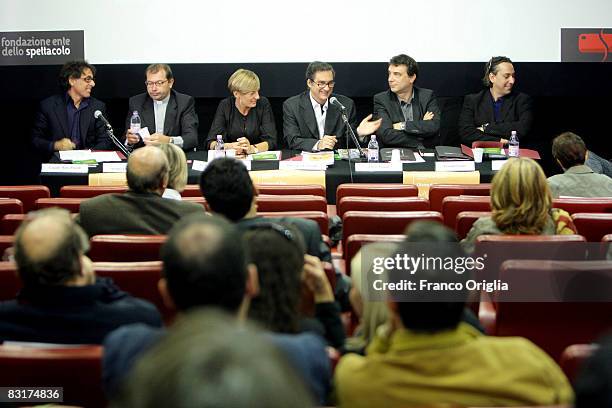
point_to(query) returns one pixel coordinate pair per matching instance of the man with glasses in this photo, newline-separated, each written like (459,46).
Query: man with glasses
(311,122)
(66,121)
(170,116)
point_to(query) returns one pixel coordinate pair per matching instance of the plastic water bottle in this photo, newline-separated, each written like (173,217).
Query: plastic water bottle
(373,150)
(135,123)
(220,147)
(513,145)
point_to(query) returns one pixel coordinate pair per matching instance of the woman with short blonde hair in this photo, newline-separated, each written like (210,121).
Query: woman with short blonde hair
(177,165)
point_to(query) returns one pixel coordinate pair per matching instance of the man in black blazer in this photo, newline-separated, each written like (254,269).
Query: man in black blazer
(66,121)
(311,122)
(170,116)
(493,113)
(410,115)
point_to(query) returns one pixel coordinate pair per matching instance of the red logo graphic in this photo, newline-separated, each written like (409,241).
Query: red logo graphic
(595,44)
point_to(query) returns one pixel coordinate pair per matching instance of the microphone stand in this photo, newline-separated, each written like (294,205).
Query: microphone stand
(362,155)
(117,142)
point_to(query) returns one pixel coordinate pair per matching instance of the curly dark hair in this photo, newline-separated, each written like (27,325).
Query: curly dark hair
(73,69)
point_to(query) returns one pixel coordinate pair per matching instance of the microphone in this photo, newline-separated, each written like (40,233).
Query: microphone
(109,130)
(99,115)
(334,101)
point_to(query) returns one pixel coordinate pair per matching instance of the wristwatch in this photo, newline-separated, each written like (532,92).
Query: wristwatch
(171,140)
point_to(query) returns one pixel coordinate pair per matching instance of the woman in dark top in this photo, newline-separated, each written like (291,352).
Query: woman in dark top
(245,119)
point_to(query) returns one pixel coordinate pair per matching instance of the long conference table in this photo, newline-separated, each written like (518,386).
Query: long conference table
(267,172)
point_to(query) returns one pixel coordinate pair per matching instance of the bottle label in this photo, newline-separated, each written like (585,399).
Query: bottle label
(513,151)
(372,155)
(134,128)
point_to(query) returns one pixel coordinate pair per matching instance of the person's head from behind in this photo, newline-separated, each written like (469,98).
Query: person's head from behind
(159,81)
(499,75)
(278,252)
(403,71)
(520,197)
(421,311)
(244,86)
(177,166)
(228,189)
(50,250)
(78,78)
(320,79)
(208,360)
(593,386)
(147,170)
(569,150)
(204,264)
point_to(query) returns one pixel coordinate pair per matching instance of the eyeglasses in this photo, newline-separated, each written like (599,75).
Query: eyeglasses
(87,79)
(322,85)
(156,83)
(284,232)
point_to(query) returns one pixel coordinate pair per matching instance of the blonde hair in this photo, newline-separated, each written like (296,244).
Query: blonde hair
(177,164)
(520,197)
(243,80)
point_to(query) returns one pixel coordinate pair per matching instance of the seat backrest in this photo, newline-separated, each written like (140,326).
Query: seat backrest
(453,205)
(6,241)
(27,194)
(10,223)
(196,199)
(555,325)
(9,281)
(437,192)
(10,206)
(270,203)
(382,223)
(70,204)
(191,190)
(486,144)
(291,189)
(376,190)
(318,216)
(583,205)
(355,203)
(126,248)
(573,357)
(465,220)
(356,241)
(77,369)
(593,226)
(89,191)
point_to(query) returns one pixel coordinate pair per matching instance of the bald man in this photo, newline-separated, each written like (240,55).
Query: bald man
(141,210)
(62,301)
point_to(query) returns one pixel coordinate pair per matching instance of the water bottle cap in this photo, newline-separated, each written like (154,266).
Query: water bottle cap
(135,113)
(219,137)
(373,137)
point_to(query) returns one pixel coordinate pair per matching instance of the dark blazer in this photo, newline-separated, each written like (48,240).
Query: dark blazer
(516,114)
(300,125)
(132,213)
(257,126)
(418,131)
(51,125)
(181,118)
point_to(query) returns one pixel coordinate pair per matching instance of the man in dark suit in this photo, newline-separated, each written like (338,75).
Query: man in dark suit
(311,122)
(66,121)
(169,115)
(410,115)
(141,210)
(493,113)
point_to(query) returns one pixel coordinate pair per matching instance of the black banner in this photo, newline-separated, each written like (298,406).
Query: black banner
(41,47)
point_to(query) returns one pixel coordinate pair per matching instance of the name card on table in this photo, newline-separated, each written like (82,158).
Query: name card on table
(114,167)
(64,168)
(455,166)
(378,167)
(301,165)
(497,164)
(199,165)
(424,179)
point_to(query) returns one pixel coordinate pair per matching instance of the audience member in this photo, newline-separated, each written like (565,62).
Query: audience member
(141,210)
(598,164)
(427,356)
(594,383)
(493,113)
(578,180)
(62,300)
(66,121)
(311,122)
(206,360)
(205,266)
(245,120)
(169,116)
(410,115)
(521,203)
(177,171)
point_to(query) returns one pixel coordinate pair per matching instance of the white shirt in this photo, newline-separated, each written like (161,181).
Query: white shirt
(320,117)
(160,113)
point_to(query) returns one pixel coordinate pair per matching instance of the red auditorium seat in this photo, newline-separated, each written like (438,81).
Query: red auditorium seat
(376,190)
(89,191)
(583,314)
(75,368)
(125,248)
(9,281)
(196,199)
(593,226)
(6,241)
(291,189)
(70,204)
(453,205)
(486,144)
(318,216)
(437,192)
(573,357)
(271,203)
(465,220)
(27,194)
(10,223)
(584,205)
(358,203)
(10,206)
(191,190)
(356,241)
